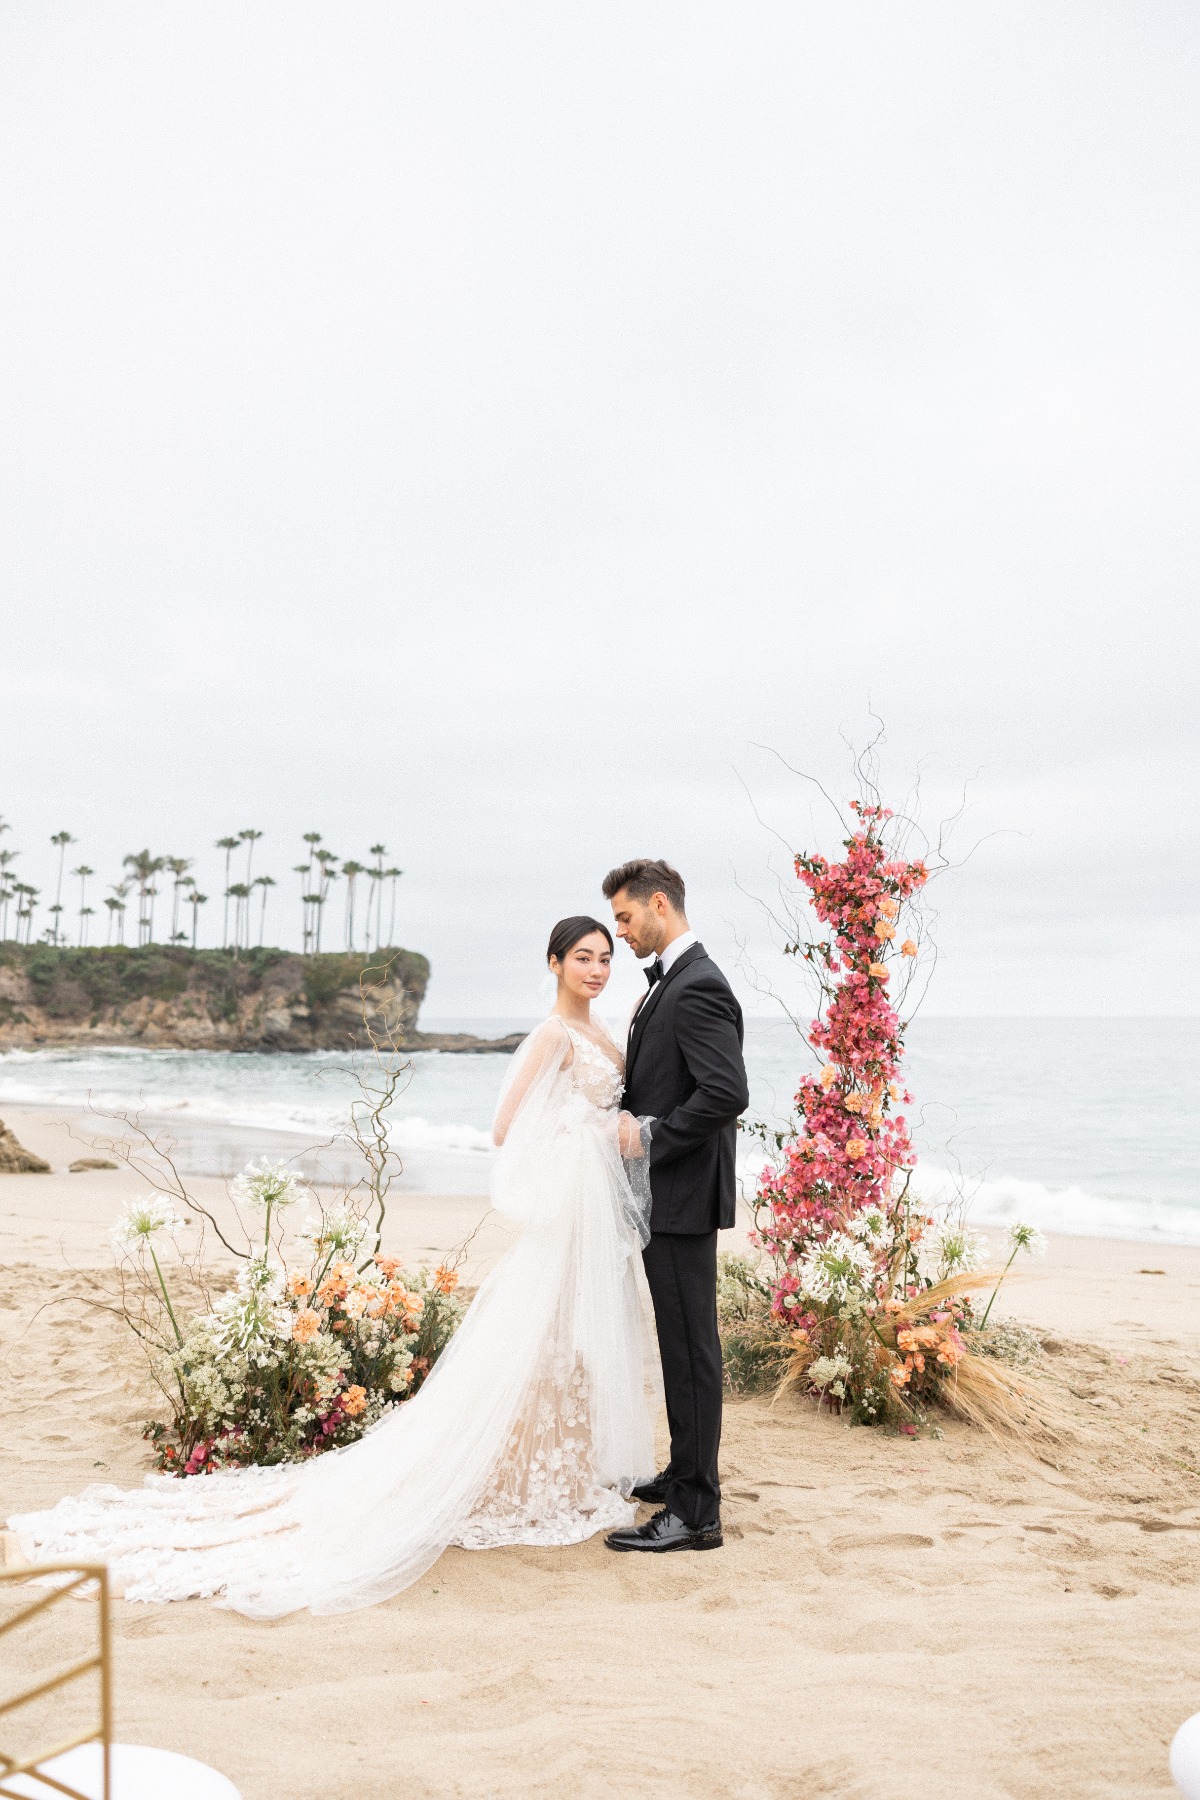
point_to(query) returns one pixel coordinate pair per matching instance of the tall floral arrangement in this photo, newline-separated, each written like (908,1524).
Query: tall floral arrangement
(873,1298)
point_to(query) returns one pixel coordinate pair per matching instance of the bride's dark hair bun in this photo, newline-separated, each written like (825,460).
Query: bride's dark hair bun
(567,933)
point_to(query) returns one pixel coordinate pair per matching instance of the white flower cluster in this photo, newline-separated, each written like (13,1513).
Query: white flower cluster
(830,1374)
(1027,1238)
(871,1226)
(835,1271)
(268,1184)
(252,1316)
(336,1231)
(144,1219)
(956,1249)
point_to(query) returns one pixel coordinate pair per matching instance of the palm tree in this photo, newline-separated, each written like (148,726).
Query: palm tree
(62,839)
(6,888)
(83,872)
(351,870)
(30,896)
(196,900)
(328,862)
(239,893)
(179,866)
(249,837)
(228,845)
(378,851)
(312,839)
(85,913)
(145,867)
(116,910)
(301,869)
(265,882)
(392,875)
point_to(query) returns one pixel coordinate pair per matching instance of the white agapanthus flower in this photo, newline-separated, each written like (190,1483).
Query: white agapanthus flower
(142,1220)
(339,1231)
(268,1183)
(252,1313)
(1027,1238)
(833,1270)
(871,1226)
(958,1250)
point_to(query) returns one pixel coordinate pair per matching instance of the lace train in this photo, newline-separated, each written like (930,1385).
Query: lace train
(532,1428)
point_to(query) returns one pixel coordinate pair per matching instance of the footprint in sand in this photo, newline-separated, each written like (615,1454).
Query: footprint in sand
(889,1540)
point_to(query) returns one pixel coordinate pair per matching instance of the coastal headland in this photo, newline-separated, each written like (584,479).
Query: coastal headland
(168,997)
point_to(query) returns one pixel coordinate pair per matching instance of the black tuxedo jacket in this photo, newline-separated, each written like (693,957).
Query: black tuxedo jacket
(683,1066)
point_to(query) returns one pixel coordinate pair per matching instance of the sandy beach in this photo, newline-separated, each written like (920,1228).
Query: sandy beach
(938,1616)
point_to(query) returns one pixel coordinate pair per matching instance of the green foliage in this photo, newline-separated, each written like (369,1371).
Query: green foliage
(75,985)
(328,975)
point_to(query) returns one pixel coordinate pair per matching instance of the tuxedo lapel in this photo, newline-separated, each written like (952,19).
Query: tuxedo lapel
(637,1024)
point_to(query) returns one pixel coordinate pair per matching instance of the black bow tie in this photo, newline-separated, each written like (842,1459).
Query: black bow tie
(655,971)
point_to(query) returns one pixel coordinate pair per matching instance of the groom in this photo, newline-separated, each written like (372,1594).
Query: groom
(683,1068)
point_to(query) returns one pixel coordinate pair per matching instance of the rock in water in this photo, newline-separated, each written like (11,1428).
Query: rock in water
(82,1163)
(15,1159)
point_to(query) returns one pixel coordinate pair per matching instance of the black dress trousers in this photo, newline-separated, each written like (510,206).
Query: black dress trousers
(682,1273)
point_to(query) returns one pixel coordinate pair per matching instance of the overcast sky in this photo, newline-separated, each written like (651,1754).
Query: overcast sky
(476,427)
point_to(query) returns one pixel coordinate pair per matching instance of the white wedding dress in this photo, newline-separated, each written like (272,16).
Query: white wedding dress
(531,1429)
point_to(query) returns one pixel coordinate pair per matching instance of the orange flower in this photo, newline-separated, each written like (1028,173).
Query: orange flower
(889,908)
(883,931)
(908,948)
(305,1326)
(856,1147)
(828,1075)
(899,1376)
(878,970)
(354,1401)
(331,1290)
(445,1280)
(854,1103)
(298,1286)
(387,1266)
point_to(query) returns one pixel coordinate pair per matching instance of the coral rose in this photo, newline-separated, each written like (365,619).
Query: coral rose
(305,1326)
(856,1147)
(354,1401)
(908,948)
(298,1286)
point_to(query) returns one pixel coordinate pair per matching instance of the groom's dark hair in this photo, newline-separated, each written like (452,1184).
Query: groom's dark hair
(644,876)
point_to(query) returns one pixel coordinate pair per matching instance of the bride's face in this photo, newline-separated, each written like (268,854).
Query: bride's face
(585,969)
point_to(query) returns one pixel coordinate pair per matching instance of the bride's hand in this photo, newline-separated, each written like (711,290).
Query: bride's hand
(629,1135)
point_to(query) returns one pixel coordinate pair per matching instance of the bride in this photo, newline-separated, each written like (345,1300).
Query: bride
(532,1428)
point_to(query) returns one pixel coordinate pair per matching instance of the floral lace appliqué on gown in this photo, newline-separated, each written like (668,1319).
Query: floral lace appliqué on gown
(546,1488)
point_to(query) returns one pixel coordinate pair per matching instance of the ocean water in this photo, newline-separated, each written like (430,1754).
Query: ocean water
(1087,1126)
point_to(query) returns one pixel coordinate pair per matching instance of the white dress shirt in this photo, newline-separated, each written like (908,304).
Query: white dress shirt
(676,948)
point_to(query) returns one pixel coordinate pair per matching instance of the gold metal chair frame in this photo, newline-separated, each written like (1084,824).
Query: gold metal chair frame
(80,1574)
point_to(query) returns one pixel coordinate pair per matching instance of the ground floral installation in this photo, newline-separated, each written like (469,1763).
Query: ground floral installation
(293,1360)
(866,1300)
(320,1334)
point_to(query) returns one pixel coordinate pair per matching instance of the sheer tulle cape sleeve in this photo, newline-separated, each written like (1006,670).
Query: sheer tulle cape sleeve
(531,1108)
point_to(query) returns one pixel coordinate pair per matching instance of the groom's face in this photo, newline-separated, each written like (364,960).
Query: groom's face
(642,923)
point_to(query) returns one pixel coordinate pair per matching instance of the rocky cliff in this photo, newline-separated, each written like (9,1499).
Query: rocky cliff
(166,997)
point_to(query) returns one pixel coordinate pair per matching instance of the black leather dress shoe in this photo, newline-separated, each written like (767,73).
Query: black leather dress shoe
(654,1491)
(665,1532)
